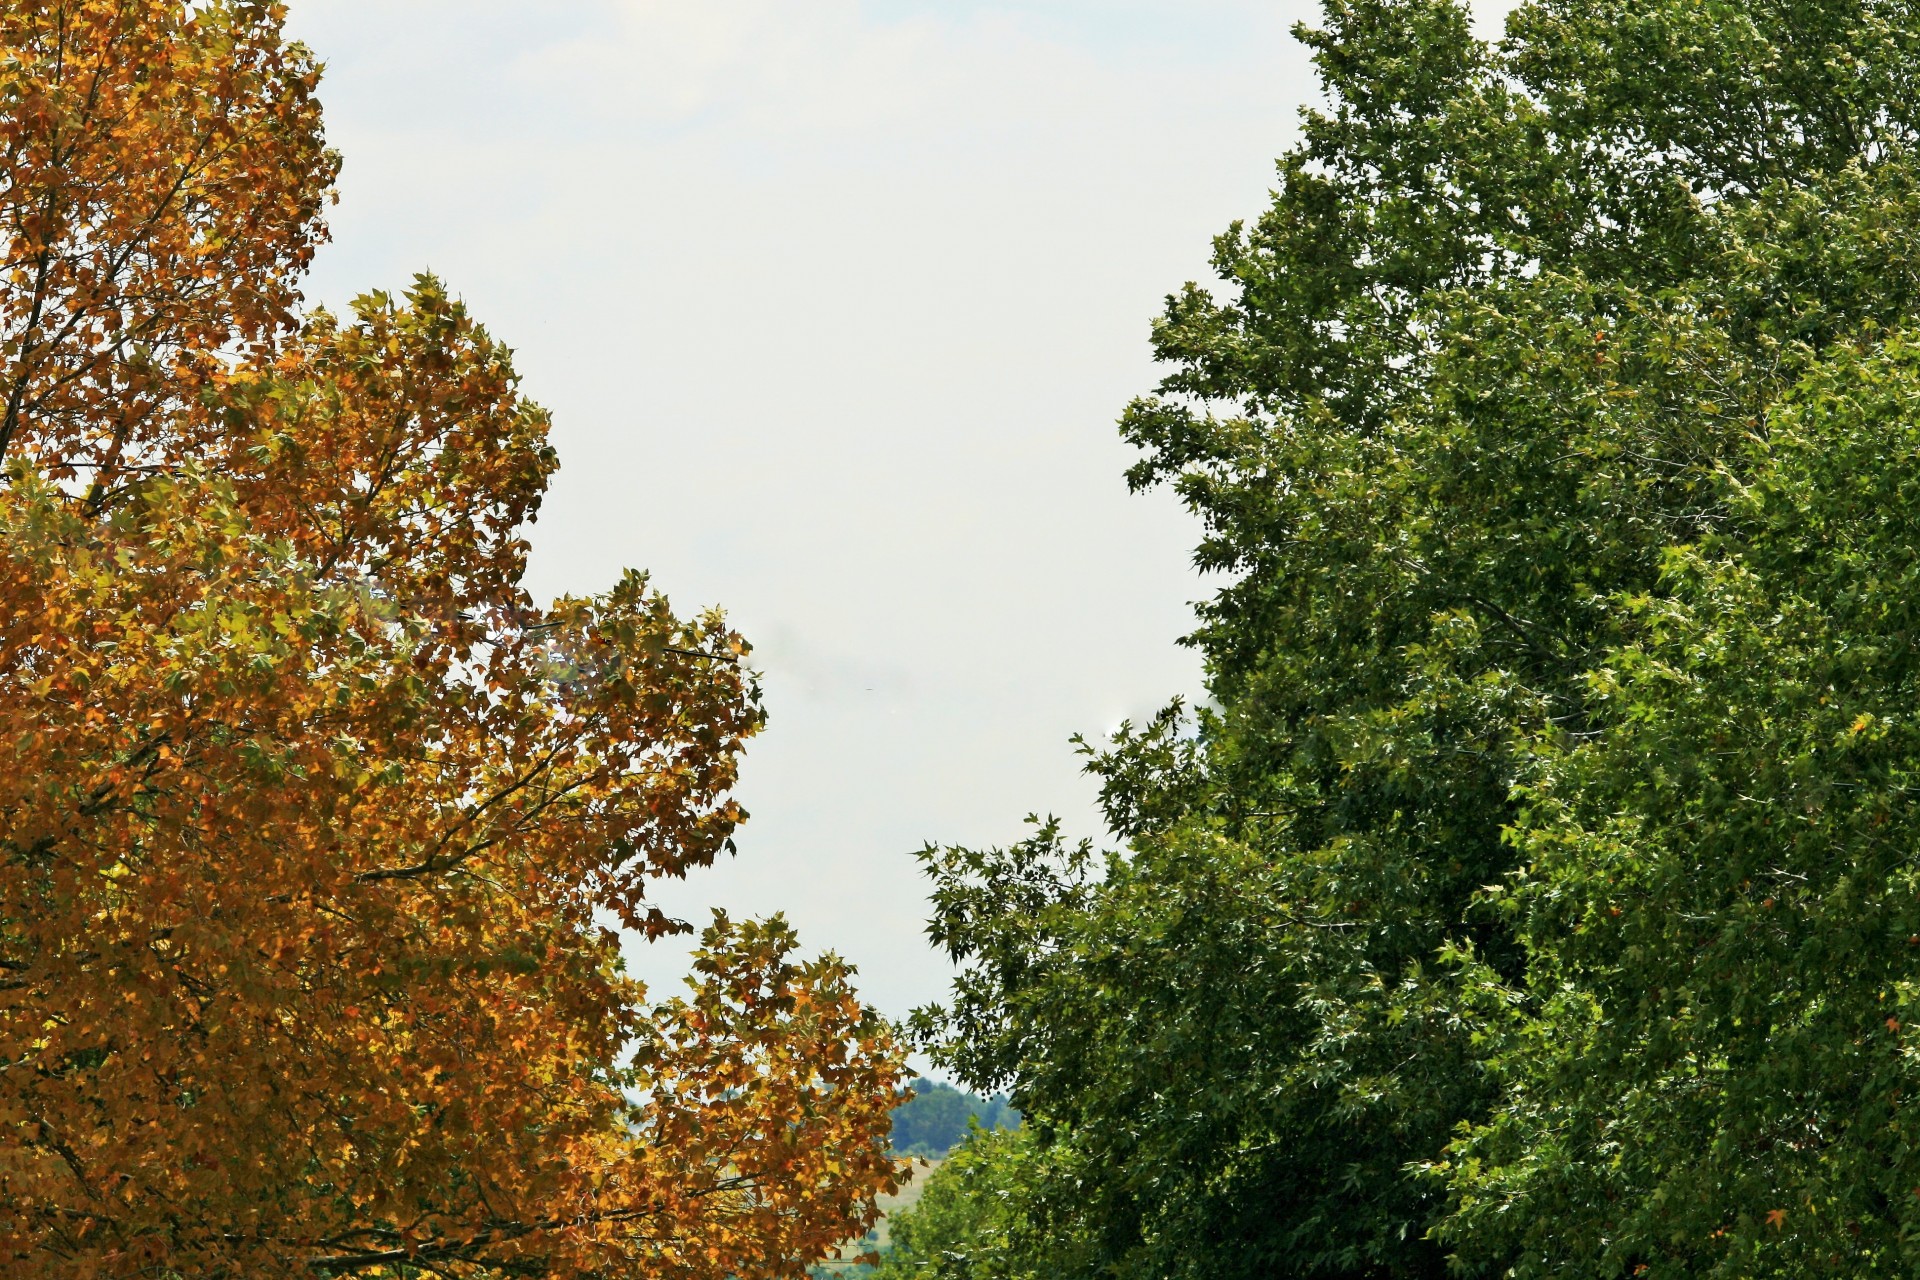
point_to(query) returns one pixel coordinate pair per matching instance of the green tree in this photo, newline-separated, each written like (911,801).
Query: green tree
(1498,353)
(972,1222)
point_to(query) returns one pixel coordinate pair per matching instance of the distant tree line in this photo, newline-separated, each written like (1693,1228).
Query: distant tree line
(938,1118)
(1537,891)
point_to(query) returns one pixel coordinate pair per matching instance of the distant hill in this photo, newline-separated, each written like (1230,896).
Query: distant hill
(934,1120)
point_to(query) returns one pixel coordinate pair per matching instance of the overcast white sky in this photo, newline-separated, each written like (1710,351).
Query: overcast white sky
(835,303)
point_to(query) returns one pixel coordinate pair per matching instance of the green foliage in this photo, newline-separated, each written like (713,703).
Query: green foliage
(1720,904)
(1156,1020)
(938,1117)
(1555,430)
(973,1222)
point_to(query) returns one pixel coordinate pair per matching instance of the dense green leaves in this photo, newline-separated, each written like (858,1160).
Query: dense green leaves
(1721,905)
(1534,892)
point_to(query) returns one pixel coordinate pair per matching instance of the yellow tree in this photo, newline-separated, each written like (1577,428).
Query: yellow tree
(314,827)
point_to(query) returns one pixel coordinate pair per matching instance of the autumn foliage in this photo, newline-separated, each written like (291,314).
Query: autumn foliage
(313,826)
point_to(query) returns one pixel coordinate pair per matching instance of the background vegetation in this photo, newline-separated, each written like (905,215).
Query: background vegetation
(938,1118)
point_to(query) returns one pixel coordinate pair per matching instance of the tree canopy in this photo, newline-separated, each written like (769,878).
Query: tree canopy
(1531,894)
(317,832)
